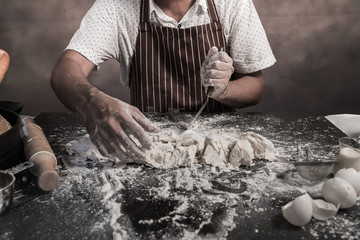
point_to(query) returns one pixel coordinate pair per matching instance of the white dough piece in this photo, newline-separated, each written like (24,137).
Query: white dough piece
(165,137)
(160,153)
(183,156)
(171,150)
(216,151)
(263,148)
(242,153)
(191,138)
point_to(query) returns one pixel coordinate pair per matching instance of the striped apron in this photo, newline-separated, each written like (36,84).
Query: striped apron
(165,69)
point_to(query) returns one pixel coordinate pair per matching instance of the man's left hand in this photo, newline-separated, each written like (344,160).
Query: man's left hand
(216,71)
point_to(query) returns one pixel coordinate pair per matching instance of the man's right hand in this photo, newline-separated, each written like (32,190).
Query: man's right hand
(117,128)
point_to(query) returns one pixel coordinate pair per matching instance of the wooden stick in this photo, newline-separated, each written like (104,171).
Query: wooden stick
(38,150)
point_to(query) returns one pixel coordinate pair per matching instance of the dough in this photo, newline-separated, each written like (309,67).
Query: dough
(160,153)
(214,153)
(220,151)
(171,149)
(263,148)
(217,150)
(242,153)
(191,138)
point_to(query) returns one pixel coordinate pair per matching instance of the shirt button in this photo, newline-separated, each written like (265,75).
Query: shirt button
(179,26)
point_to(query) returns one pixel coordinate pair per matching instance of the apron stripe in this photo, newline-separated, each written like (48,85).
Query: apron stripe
(190,77)
(156,72)
(181,75)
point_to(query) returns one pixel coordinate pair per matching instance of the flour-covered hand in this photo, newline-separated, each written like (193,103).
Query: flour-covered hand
(216,71)
(118,129)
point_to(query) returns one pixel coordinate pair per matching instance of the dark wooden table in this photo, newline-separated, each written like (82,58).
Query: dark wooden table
(79,210)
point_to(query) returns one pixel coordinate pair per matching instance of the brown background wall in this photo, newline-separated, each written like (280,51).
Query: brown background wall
(316,43)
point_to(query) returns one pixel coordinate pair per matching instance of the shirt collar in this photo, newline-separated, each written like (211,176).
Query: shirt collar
(200,6)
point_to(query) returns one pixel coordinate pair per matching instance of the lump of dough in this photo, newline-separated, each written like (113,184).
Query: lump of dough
(170,150)
(191,138)
(182,156)
(214,153)
(160,153)
(242,153)
(165,137)
(263,148)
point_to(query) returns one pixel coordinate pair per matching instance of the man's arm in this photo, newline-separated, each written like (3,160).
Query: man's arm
(244,90)
(109,121)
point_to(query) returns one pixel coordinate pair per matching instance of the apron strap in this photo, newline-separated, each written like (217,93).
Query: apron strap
(144,12)
(212,11)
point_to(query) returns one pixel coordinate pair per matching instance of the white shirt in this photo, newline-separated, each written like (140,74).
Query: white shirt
(109,30)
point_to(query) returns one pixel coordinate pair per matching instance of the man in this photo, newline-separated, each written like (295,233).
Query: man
(170,52)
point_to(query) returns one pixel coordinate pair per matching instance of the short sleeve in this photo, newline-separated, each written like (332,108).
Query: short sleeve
(97,37)
(249,46)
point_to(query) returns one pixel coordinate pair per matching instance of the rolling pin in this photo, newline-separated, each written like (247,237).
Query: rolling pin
(38,151)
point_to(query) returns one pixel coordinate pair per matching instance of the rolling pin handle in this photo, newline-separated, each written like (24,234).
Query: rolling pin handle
(44,169)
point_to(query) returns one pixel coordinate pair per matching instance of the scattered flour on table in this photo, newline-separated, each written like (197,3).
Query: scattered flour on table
(192,193)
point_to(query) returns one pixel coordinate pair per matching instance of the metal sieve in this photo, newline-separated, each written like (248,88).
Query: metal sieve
(311,167)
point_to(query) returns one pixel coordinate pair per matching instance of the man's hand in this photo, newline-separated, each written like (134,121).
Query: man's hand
(117,128)
(216,71)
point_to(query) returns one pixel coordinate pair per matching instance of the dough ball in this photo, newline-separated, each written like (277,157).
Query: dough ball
(160,153)
(190,138)
(214,153)
(242,153)
(263,148)
(183,156)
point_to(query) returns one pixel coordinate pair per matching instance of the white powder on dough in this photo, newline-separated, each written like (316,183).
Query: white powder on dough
(242,153)
(171,149)
(262,147)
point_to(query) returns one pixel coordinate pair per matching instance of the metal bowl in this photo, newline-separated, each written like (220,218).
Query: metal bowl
(7,180)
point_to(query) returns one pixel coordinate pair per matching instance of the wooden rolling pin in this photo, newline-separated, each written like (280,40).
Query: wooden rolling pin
(38,151)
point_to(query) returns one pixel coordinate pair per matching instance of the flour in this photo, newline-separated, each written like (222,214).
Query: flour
(199,201)
(171,149)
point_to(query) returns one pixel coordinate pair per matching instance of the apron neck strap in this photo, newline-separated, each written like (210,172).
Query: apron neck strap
(212,11)
(144,12)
